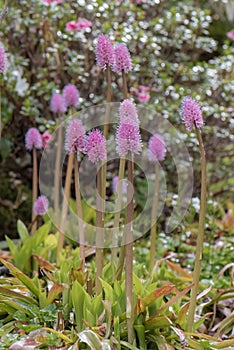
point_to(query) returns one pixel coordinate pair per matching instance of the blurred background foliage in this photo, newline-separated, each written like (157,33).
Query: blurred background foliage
(178,48)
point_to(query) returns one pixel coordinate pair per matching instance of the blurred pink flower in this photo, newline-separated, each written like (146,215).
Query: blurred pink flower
(230,34)
(144,88)
(2,59)
(96,146)
(46,138)
(81,23)
(33,139)
(115,181)
(40,206)
(51,1)
(191,113)
(70,95)
(75,137)
(104,52)
(123,61)
(156,148)
(71,26)
(128,137)
(57,104)
(143,97)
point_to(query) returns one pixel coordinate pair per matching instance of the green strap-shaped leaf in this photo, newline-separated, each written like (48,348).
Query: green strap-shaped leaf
(22,277)
(91,339)
(22,230)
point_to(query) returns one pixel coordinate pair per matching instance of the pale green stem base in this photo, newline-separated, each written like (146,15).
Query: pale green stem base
(67,189)
(129,255)
(154,218)
(79,212)
(200,237)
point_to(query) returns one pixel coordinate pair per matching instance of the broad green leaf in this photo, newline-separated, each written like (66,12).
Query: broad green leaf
(108,290)
(137,285)
(16,295)
(128,345)
(140,330)
(174,299)
(22,277)
(22,230)
(159,292)
(91,339)
(157,322)
(13,248)
(78,295)
(7,328)
(55,290)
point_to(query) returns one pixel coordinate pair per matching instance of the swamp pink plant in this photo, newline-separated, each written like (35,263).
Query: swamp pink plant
(33,141)
(104,52)
(156,153)
(128,109)
(192,117)
(57,104)
(96,151)
(122,65)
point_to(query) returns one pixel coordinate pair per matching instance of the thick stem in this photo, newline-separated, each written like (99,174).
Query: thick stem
(79,213)
(200,237)
(66,197)
(154,218)
(108,101)
(34,189)
(57,172)
(118,205)
(125,86)
(129,255)
(99,235)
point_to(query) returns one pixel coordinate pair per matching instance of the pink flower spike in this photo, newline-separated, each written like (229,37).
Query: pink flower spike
(83,23)
(230,34)
(33,139)
(41,205)
(57,104)
(128,137)
(191,113)
(46,138)
(2,59)
(70,95)
(156,148)
(75,137)
(104,52)
(123,61)
(128,109)
(96,146)
(143,97)
(71,26)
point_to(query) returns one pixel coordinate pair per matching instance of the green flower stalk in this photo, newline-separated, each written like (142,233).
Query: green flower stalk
(57,106)
(33,141)
(129,143)
(74,143)
(156,153)
(192,117)
(96,151)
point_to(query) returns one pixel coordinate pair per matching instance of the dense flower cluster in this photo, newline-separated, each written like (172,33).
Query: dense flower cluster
(128,137)
(40,206)
(191,113)
(70,95)
(128,109)
(104,52)
(122,61)
(57,104)
(156,148)
(33,139)
(75,137)
(96,146)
